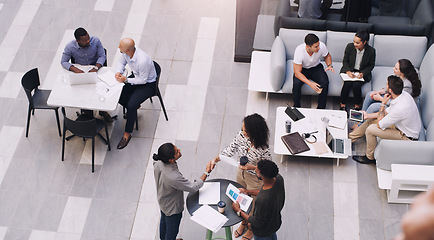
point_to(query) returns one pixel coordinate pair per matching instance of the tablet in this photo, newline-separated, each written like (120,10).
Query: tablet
(356,115)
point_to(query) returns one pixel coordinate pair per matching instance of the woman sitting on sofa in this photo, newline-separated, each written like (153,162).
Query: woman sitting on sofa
(358,62)
(406,71)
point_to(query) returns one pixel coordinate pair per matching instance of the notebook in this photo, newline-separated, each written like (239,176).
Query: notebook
(295,143)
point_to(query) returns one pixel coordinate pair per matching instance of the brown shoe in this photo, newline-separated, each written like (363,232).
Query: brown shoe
(106,116)
(124,142)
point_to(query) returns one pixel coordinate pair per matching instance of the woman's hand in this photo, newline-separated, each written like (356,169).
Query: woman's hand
(248,166)
(350,74)
(360,75)
(378,97)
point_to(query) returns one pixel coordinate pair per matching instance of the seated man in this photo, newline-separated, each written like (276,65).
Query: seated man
(400,121)
(138,87)
(86,51)
(266,218)
(307,66)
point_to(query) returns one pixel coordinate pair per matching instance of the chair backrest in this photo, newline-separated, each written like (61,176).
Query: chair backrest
(105,63)
(30,82)
(84,129)
(158,70)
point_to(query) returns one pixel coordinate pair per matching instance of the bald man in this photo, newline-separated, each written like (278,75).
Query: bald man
(418,222)
(139,86)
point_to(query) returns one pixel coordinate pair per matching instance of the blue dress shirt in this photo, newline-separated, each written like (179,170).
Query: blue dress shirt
(84,56)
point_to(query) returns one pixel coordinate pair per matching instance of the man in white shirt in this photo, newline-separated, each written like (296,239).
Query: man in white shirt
(309,70)
(400,121)
(139,86)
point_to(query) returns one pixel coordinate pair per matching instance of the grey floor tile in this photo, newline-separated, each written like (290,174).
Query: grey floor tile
(39,177)
(18,234)
(188,151)
(97,23)
(220,73)
(296,227)
(16,175)
(371,228)
(23,60)
(211,128)
(179,72)
(42,61)
(116,22)
(85,181)
(296,194)
(367,174)
(392,210)
(135,155)
(147,121)
(27,209)
(63,178)
(82,18)
(190,229)
(320,227)
(236,101)
(122,5)
(42,18)
(370,201)
(98,218)
(121,220)
(215,101)
(51,212)
(321,169)
(17,116)
(392,228)
(231,127)
(8,201)
(240,75)
(321,197)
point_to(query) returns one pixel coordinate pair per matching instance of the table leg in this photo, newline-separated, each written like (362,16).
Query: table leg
(228,233)
(337,162)
(208,234)
(281,158)
(266,96)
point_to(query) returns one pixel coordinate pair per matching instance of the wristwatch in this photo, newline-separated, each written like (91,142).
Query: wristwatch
(239,213)
(206,173)
(96,68)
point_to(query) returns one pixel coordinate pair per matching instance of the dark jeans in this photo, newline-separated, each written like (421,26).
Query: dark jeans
(271,237)
(316,74)
(357,90)
(131,98)
(169,226)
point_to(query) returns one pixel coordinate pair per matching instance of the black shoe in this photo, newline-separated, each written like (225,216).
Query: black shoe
(124,142)
(343,108)
(363,160)
(357,108)
(106,116)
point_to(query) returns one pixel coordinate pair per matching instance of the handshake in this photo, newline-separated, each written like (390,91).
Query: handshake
(211,164)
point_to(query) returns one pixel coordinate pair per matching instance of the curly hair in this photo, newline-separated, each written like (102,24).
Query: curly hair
(257,130)
(268,168)
(407,68)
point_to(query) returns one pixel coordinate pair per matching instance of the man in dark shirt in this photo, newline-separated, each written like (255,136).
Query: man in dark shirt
(266,218)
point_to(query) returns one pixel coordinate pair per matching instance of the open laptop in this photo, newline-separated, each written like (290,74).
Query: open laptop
(82,78)
(338,145)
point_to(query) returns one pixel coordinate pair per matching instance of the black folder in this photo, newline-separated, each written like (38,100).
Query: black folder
(294,114)
(295,143)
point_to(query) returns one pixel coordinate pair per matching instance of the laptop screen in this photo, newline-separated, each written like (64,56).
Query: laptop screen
(329,139)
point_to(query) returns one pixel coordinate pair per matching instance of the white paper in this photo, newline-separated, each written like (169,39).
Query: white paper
(337,121)
(234,194)
(109,78)
(345,77)
(228,160)
(209,218)
(209,193)
(305,125)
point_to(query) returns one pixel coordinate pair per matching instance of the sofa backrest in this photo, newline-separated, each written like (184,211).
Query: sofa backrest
(337,41)
(391,48)
(294,37)
(426,70)
(427,103)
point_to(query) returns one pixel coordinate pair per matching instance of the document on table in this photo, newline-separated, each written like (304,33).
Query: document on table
(109,78)
(234,194)
(209,193)
(345,77)
(305,125)
(337,121)
(209,218)
(228,160)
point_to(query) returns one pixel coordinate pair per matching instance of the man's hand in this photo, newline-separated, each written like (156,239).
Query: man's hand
(236,206)
(119,77)
(351,74)
(75,69)
(93,70)
(215,161)
(316,87)
(208,167)
(378,97)
(365,115)
(360,76)
(330,68)
(386,99)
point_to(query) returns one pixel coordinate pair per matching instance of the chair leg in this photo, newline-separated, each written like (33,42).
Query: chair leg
(63,144)
(108,139)
(58,122)
(33,111)
(162,105)
(137,121)
(150,99)
(28,122)
(93,154)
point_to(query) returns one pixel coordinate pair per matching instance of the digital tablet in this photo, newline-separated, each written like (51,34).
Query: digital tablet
(356,115)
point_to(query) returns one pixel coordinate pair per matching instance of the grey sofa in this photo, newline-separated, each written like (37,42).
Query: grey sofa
(389,49)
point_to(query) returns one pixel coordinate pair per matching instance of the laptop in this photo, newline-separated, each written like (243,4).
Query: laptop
(82,78)
(338,145)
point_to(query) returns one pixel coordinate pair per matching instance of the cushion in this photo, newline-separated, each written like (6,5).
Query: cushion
(392,48)
(396,29)
(277,64)
(336,43)
(389,20)
(426,67)
(294,37)
(379,77)
(429,134)
(427,103)
(287,84)
(303,23)
(348,27)
(423,14)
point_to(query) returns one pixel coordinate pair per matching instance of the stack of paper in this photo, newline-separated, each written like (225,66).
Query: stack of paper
(209,193)
(209,218)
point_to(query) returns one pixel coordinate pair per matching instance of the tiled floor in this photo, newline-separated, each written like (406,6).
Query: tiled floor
(206,96)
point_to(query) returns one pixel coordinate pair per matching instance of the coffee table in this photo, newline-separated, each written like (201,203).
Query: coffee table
(312,122)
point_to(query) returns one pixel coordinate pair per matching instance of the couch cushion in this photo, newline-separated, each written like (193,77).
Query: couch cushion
(294,37)
(277,64)
(427,103)
(303,23)
(348,27)
(392,48)
(287,84)
(337,41)
(426,68)
(336,82)
(429,134)
(379,77)
(423,14)
(389,20)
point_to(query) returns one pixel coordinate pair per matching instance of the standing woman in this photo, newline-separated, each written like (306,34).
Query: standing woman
(359,58)
(170,188)
(250,142)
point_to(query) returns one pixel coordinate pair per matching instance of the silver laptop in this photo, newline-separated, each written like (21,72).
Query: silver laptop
(338,145)
(82,78)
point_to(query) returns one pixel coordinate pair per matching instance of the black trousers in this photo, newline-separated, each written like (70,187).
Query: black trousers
(131,98)
(357,91)
(316,74)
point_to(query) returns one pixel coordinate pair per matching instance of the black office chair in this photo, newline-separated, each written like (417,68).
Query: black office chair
(38,100)
(87,128)
(157,93)
(104,65)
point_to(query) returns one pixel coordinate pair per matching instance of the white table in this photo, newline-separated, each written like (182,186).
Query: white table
(99,96)
(312,122)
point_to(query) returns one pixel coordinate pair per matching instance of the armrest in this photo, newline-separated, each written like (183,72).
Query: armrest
(283,10)
(277,64)
(390,152)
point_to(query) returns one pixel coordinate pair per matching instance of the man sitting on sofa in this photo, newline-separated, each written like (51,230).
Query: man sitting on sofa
(307,66)
(400,121)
